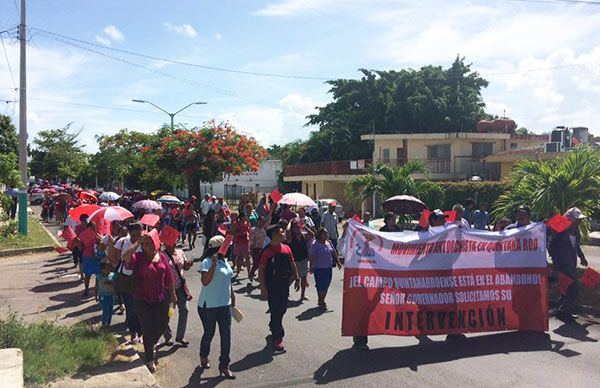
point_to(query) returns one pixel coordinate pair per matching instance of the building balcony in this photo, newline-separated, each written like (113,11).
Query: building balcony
(336,167)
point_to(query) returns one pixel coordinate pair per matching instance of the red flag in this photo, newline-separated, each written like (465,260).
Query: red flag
(222,229)
(451,215)
(169,235)
(356,218)
(275,196)
(575,140)
(590,277)
(559,223)
(68,234)
(61,250)
(563,283)
(226,211)
(226,244)
(150,219)
(424,220)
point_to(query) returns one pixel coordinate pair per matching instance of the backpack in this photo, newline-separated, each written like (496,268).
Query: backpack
(279,269)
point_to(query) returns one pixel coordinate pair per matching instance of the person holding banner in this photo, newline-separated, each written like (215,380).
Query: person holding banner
(564,249)
(215,302)
(277,271)
(523,217)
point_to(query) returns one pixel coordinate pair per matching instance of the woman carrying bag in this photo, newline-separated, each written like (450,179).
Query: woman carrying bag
(215,303)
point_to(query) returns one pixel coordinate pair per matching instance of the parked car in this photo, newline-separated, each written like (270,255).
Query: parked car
(36,198)
(324,205)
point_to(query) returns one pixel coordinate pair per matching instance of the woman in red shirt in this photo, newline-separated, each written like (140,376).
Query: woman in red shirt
(154,290)
(241,243)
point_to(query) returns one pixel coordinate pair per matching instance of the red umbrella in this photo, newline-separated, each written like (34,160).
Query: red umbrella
(76,212)
(87,196)
(111,213)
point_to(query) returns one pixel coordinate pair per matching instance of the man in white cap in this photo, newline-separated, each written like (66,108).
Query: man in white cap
(565,249)
(204,206)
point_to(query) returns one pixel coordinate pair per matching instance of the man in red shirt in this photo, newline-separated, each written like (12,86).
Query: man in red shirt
(277,271)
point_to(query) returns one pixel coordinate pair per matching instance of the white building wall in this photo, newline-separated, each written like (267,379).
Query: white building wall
(264,180)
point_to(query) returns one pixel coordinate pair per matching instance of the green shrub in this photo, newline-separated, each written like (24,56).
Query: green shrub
(8,229)
(5,204)
(480,192)
(52,351)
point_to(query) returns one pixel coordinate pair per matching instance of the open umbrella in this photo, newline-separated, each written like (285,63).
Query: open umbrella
(109,196)
(86,196)
(36,191)
(147,204)
(12,192)
(111,213)
(403,204)
(297,199)
(78,211)
(171,199)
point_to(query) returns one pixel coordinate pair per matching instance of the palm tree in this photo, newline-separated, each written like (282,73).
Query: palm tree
(550,187)
(390,181)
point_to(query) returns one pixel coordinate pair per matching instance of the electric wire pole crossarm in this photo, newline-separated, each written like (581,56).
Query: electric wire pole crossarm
(171,115)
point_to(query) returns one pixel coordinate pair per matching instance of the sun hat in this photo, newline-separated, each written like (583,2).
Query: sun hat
(216,241)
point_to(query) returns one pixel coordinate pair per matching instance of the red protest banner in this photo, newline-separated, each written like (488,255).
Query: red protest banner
(169,235)
(590,277)
(275,196)
(412,284)
(150,219)
(424,220)
(226,244)
(559,223)
(68,234)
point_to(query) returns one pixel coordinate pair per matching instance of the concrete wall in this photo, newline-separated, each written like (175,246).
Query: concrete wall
(265,177)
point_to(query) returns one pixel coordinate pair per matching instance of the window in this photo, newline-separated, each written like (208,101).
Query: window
(481,150)
(385,155)
(514,145)
(439,151)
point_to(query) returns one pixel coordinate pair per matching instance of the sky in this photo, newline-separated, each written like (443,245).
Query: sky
(542,59)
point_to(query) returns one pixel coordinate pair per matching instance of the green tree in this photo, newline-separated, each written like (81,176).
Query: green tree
(522,131)
(390,181)
(9,175)
(553,186)
(57,154)
(9,141)
(9,148)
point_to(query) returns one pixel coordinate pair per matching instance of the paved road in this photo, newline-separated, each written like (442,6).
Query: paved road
(567,355)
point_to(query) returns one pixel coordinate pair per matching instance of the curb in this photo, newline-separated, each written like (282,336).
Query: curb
(22,251)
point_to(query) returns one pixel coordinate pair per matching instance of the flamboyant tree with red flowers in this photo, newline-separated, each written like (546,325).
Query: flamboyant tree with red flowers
(208,153)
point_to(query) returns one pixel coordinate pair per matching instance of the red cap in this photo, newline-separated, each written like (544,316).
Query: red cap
(332,203)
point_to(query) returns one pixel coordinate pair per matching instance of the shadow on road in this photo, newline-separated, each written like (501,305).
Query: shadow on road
(310,313)
(55,287)
(350,363)
(252,360)
(576,331)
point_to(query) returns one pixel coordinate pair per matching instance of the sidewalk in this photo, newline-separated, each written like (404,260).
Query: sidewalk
(45,286)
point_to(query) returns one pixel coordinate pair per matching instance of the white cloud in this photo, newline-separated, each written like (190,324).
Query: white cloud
(218,36)
(182,29)
(114,34)
(294,7)
(299,106)
(102,40)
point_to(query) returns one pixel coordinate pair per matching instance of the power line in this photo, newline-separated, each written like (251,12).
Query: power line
(12,77)
(206,67)
(17,8)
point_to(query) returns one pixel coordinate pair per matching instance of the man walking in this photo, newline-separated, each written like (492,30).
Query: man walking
(277,271)
(329,221)
(564,250)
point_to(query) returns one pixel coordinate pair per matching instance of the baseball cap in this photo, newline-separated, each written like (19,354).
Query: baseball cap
(574,213)
(439,213)
(216,241)
(524,209)
(332,203)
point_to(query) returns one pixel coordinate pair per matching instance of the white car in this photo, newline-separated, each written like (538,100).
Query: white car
(324,205)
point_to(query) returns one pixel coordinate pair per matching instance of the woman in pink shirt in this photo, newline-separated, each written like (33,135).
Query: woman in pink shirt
(241,239)
(154,290)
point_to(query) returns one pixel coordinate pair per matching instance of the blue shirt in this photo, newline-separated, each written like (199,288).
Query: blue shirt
(218,292)
(106,287)
(481,219)
(322,254)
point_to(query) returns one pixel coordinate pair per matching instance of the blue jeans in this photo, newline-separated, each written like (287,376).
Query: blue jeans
(210,316)
(133,323)
(107,303)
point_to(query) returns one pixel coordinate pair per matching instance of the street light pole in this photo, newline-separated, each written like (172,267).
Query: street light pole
(23,122)
(171,115)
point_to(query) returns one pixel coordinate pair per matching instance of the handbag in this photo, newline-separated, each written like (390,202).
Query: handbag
(182,281)
(124,283)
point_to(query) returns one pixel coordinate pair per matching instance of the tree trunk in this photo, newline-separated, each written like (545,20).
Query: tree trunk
(194,186)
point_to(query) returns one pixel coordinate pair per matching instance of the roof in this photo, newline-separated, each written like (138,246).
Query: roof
(437,136)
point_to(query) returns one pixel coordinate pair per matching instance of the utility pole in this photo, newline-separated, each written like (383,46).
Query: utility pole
(23,122)
(171,115)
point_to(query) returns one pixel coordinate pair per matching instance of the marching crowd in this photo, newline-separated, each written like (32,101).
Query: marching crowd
(141,270)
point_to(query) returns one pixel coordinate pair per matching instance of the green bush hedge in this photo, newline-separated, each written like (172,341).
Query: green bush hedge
(480,192)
